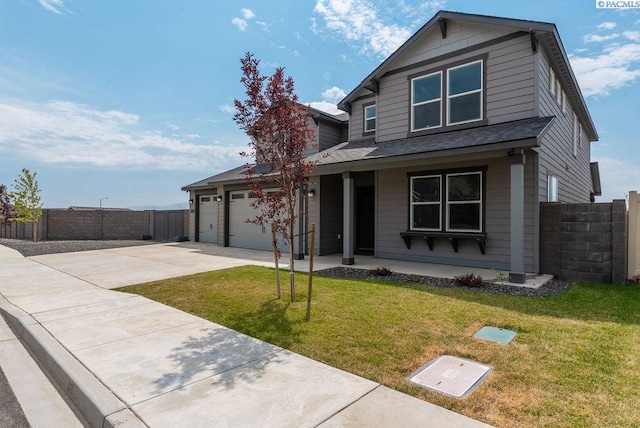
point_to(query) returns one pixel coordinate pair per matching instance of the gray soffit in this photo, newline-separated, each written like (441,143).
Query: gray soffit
(519,133)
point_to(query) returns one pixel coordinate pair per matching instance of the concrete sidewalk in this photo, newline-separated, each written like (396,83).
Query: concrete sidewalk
(129,361)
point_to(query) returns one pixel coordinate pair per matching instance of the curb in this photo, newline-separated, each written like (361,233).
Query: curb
(97,403)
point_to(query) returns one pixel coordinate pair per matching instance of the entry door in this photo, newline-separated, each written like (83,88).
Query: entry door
(365,219)
(208,219)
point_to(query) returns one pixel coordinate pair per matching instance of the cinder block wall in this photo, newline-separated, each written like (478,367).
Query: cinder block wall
(584,242)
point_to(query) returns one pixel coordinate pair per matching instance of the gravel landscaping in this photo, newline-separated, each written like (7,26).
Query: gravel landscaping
(29,248)
(551,288)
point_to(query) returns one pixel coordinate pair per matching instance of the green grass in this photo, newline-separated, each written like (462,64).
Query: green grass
(574,362)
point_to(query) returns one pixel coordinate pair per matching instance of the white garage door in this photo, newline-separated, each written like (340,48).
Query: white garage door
(208,219)
(242,234)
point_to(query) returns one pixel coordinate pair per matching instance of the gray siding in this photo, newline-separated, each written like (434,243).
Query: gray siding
(556,151)
(459,36)
(329,135)
(509,87)
(393,215)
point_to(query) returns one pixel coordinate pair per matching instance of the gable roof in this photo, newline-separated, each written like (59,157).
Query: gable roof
(544,33)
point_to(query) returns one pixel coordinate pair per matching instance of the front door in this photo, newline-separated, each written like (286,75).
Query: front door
(365,219)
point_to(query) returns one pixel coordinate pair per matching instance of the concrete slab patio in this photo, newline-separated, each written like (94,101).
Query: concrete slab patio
(128,361)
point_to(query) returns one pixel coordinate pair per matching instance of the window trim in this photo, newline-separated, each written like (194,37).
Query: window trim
(552,81)
(475,91)
(444,126)
(444,211)
(412,204)
(366,131)
(434,100)
(478,201)
(552,179)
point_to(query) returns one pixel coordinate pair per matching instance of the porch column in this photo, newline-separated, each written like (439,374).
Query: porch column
(348,234)
(517,274)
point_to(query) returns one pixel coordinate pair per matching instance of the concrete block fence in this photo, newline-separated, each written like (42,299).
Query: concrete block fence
(584,242)
(62,224)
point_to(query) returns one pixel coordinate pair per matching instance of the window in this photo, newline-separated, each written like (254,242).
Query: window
(464,93)
(464,202)
(552,188)
(461,208)
(426,211)
(552,82)
(426,102)
(559,93)
(237,196)
(564,102)
(463,88)
(370,118)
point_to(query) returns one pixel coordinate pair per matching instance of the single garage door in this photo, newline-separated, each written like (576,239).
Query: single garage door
(242,234)
(208,219)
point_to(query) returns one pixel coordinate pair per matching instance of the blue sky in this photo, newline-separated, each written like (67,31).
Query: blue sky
(132,100)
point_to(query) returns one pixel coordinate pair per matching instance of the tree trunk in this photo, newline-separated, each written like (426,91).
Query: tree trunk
(275,255)
(292,281)
(310,286)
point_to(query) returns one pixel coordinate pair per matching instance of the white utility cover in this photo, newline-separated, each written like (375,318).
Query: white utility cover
(451,375)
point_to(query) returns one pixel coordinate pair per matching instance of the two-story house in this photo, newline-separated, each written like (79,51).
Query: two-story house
(452,143)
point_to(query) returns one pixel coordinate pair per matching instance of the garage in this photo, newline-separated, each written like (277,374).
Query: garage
(208,219)
(242,234)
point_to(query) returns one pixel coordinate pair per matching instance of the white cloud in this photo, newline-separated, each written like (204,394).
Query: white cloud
(617,176)
(607,26)
(61,132)
(227,108)
(264,26)
(54,6)
(616,66)
(326,107)
(634,36)
(173,126)
(333,94)
(360,23)
(596,38)
(247,13)
(240,23)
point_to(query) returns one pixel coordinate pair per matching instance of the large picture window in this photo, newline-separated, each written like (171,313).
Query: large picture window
(451,202)
(426,102)
(464,93)
(463,97)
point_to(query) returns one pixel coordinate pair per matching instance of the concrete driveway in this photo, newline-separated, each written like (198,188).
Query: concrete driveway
(129,361)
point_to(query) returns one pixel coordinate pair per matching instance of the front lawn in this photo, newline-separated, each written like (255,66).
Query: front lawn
(574,362)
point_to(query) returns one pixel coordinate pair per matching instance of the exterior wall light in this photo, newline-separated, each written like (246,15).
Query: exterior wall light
(312,193)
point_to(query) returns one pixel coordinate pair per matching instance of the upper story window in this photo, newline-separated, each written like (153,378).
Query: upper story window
(464,93)
(426,102)
(370,118)
(455,92)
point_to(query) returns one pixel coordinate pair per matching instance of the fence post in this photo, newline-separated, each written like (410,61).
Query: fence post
(633,236)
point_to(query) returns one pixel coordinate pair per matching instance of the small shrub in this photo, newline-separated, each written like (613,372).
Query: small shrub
(501,277)
(413,277)
(381,271)
(468,280)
